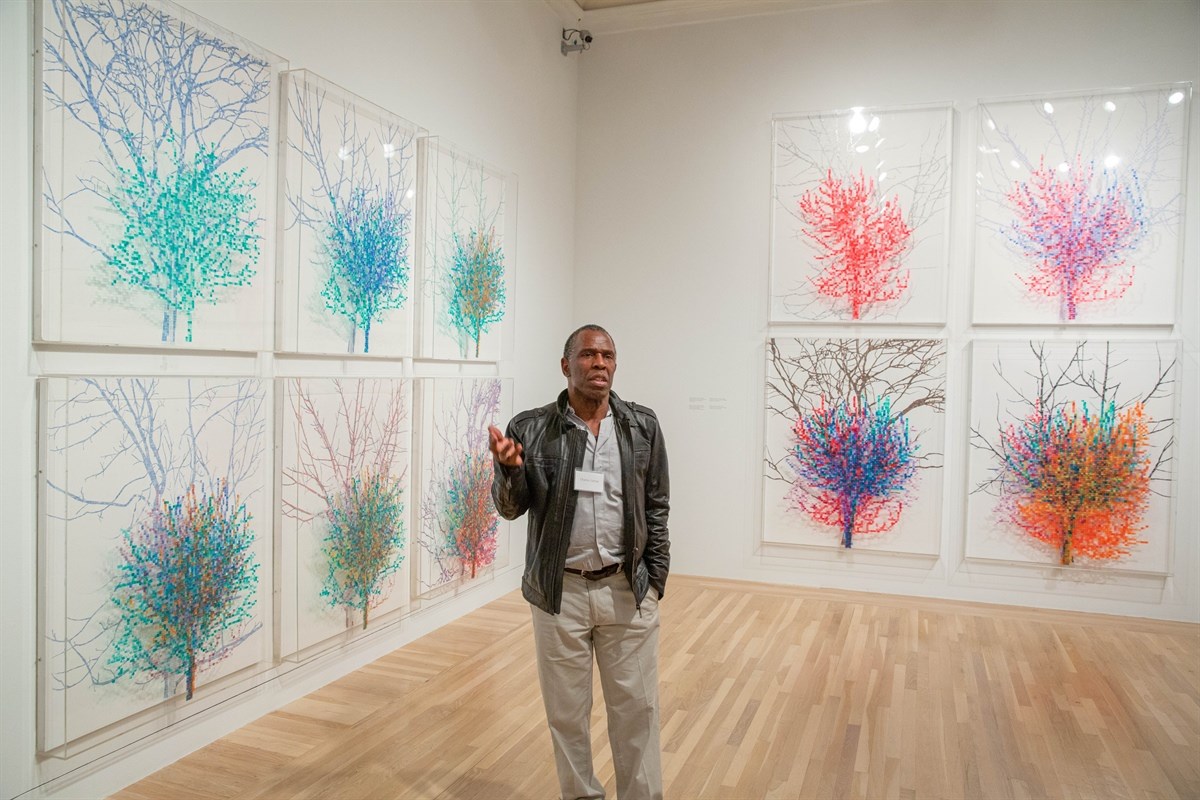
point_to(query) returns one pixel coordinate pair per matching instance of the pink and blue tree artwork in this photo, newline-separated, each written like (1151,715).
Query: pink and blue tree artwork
(860,215)
(155,543)
(346,508)
(154,153)
(350,175)
(1072,454)
(461,537)
(854,432)
(1079,203)
(468,280)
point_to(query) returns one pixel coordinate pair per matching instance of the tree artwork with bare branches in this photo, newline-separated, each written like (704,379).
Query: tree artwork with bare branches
(345,485)
(156,141)
(154,494)
(460,529)
(1079,449)
(851,425)
(350,193)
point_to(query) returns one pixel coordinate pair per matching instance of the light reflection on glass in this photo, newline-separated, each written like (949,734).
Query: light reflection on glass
(1111,160)
(1110,106)
(1176,98)
(874,126)
(389,149)
(1049,109)
(1064,167)
(858,123)
(343,152)
(1016,164)
(862,148)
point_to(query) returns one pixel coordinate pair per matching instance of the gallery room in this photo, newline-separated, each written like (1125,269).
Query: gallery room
(905,292)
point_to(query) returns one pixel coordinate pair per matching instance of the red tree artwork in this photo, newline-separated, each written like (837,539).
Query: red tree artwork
(860,241)
(1077,236)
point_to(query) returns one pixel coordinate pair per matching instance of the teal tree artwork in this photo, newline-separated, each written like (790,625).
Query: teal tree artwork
(350,197)
(189,234)
(470,259)
(155,145)
(154,491)
(460,529)
(345,486)
(187,579)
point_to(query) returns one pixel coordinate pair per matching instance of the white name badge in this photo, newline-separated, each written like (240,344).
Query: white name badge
(589,481)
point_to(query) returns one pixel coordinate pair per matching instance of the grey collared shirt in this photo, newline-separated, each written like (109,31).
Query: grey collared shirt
(596,531)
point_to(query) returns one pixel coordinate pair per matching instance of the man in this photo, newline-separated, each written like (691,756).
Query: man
(591,470)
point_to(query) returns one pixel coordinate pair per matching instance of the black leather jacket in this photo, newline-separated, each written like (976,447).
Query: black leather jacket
(544,486)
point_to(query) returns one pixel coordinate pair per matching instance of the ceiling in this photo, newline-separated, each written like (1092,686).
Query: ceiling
(617,16)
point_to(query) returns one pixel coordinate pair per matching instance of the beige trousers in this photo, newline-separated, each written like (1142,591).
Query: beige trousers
(602,618)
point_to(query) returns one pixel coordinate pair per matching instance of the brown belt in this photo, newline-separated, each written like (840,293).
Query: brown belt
(596,574)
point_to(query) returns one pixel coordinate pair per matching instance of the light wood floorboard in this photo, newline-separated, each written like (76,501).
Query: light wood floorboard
(767,692)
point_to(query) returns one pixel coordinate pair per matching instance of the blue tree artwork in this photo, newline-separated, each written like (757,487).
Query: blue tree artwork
(154,543)
(154,152)
(350,189)
(467,294)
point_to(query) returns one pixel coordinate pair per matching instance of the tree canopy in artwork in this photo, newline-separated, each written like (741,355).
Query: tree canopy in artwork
(1077,236)
(167,111)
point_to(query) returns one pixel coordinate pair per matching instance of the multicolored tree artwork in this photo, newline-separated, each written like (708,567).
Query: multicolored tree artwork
(1079,205)
(350,172)
(345,506)
(853,442)
(1075,468)
(467,288)
(153,542)
(461,535)
(186,582)
(1077,237)
(860,225)
(154,157)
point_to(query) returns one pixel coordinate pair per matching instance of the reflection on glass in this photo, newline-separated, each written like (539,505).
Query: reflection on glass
(1175,98)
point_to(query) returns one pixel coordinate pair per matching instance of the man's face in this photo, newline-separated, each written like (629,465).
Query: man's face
(589,370)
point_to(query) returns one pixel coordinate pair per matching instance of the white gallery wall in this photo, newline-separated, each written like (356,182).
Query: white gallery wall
(487,76)
(672,246)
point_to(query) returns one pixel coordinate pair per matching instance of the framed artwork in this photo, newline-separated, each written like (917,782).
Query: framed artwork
(154,581)
(154,150)
(460,537)
(346,508)
(1072,450)
(349,235)
(470,241)
(860,215)
(1079,207)
(854,444)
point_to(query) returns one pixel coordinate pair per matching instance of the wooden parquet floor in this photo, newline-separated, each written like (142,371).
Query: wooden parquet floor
(767,692)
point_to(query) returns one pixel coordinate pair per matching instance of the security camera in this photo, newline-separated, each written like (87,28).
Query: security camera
(575,40)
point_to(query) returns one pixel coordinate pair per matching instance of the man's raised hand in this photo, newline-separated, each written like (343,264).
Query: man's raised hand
(506,451)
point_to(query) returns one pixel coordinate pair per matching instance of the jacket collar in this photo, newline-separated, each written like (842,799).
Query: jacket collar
(620,409)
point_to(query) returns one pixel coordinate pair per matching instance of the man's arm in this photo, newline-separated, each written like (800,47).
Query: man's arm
(658,505)
(510,492)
